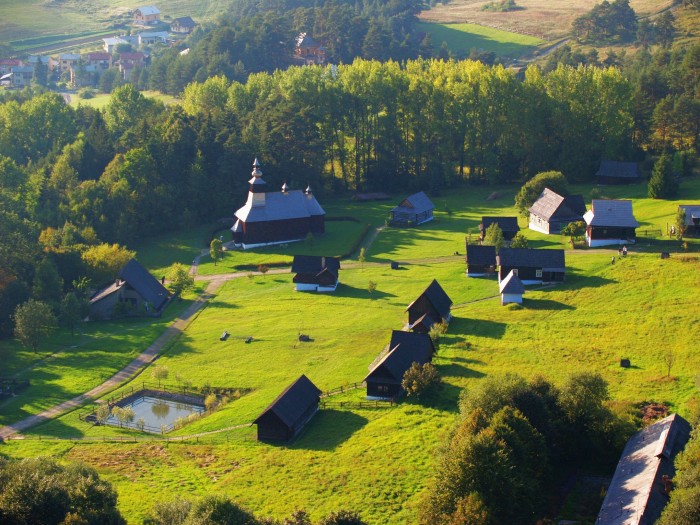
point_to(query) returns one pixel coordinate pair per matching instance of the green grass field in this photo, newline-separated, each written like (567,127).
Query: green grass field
(100,100)
(377,461)
(462,38)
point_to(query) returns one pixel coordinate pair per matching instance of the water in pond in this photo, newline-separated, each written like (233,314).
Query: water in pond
(156,412)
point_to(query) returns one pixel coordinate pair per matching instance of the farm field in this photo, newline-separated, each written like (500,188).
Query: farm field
(20,20)
(541,18)
(461,38)
(379,460)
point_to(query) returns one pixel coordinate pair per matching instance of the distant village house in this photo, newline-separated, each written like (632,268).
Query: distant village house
(551,212)
(413,210)
(183,25)
(532,266)
(134,292)
(386,373)
(315,273)
(643,479)
(508,225)
(511,289)
(610,222)
(617,172)
(481,260)
(275,217)
(692,219)
(146,15)
(290,412)
(432,306)
(309,51)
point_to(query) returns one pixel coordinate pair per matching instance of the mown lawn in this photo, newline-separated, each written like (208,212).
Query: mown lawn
(100,100)
(379,460)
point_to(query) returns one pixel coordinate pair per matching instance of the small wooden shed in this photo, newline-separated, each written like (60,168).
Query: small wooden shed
(610,222)
(512,289)
(413,210)
(315,273)
(287,415)
(404,349)
(481,260)
(434,302)
(617,172)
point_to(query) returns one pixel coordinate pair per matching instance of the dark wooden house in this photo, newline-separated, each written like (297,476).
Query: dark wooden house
(481,260)
(639,489)
(276,217)
(508,225)
(532,266)
(315,273)
(413,210)
(617,172)
(610,222)
(287,415)
(512,289)
(134,292)
(183,25)
(434,302)
(551,212)
(404,349)
(692,219)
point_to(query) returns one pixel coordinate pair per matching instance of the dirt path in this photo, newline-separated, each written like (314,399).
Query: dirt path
(126,373)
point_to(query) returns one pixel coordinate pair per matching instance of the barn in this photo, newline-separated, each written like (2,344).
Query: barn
(276,217)
(532,266)
(508,225)
(134,292)
(617,172)
(315,273)
(512,289)
(610,222)
(386,372)
(639,489)
(287,415)
(434,302)
(481,260)
(551,212)
(413,210)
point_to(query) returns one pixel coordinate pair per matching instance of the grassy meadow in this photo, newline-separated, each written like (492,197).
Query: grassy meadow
(542,18)
(376,461)
(100,100)
(461,38)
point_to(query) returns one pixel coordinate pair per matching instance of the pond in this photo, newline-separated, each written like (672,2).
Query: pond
(155,414)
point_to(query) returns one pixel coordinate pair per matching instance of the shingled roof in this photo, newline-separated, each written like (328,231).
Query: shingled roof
(315,264)
(144,283)
(416,203)
(293,402)
(512,284)
(437,297)
(692,213)
(506,224)
(550,202)
(279,206)
(532,258)
(406,348)
(618,169)
(479,255)
(611,213)
(636,494)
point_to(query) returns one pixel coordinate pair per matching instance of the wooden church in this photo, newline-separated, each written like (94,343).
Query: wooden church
(275,217)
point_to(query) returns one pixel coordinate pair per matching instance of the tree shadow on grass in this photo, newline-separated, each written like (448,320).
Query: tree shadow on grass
(345,290)
(575,281)
(216,303)
(478,327)
(546,304)
(328,429)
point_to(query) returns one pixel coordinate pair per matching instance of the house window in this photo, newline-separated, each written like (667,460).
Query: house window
(383,389)
(538,273)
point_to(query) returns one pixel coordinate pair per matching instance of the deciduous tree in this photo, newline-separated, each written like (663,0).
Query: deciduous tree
(34,322)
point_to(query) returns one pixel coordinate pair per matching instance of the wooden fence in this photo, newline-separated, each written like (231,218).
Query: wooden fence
(358,404)
(342,389)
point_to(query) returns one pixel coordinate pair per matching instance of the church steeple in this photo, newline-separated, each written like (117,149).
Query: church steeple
(256,193)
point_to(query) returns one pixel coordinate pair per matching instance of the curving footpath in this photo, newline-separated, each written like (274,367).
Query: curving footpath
(126,373)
